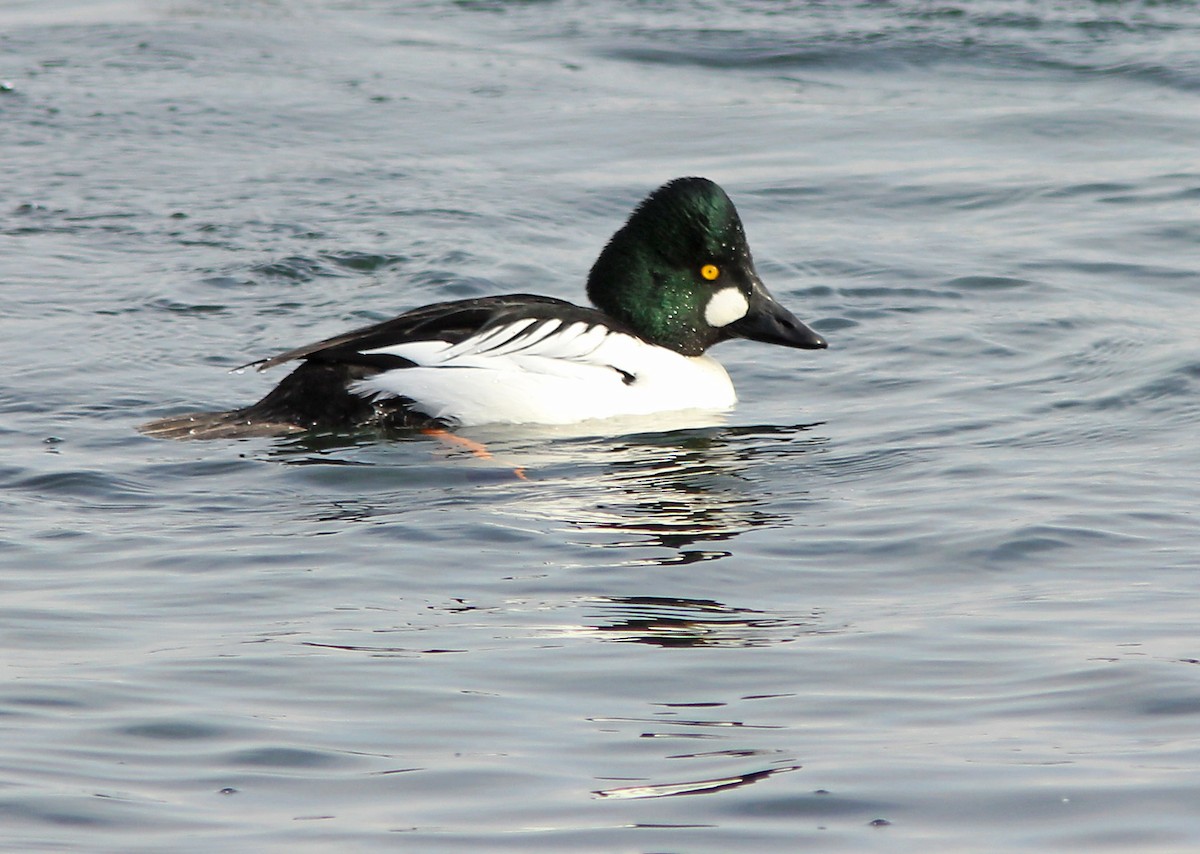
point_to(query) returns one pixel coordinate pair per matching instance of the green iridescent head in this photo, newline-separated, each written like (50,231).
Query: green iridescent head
(679,273)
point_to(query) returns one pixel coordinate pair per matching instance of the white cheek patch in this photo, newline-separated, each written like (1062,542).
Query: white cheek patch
(726,306)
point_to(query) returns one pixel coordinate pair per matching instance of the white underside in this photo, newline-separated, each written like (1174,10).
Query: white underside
(549,374)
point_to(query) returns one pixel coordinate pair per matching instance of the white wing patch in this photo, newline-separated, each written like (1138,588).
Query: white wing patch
(548,372)
(535,344)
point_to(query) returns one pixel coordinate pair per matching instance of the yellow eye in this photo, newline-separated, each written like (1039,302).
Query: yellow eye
(710,271)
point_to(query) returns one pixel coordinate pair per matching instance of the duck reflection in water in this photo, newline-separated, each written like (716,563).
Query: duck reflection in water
(690,493)
(669,622)
(661,490)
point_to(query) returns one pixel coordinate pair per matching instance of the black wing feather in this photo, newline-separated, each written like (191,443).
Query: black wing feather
(451,322)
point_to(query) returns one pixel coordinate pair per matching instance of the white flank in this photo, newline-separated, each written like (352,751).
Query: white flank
(547,372)
(726,306)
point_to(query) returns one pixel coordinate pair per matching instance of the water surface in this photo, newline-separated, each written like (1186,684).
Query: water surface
(932,588)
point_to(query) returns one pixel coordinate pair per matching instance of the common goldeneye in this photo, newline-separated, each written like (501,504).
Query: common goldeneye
(675,280)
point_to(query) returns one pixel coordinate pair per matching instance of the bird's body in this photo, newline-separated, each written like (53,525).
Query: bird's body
(675,280)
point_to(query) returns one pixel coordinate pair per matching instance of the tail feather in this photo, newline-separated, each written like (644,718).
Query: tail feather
(315,396)
(215,425)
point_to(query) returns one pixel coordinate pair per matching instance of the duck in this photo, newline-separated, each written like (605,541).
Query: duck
(673,281)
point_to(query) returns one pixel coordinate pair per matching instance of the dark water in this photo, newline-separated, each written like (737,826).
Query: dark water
(933,589)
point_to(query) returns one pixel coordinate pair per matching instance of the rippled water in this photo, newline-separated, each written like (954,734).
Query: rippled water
(933,589)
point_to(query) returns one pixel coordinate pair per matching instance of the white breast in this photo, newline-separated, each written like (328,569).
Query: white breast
(547,372)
